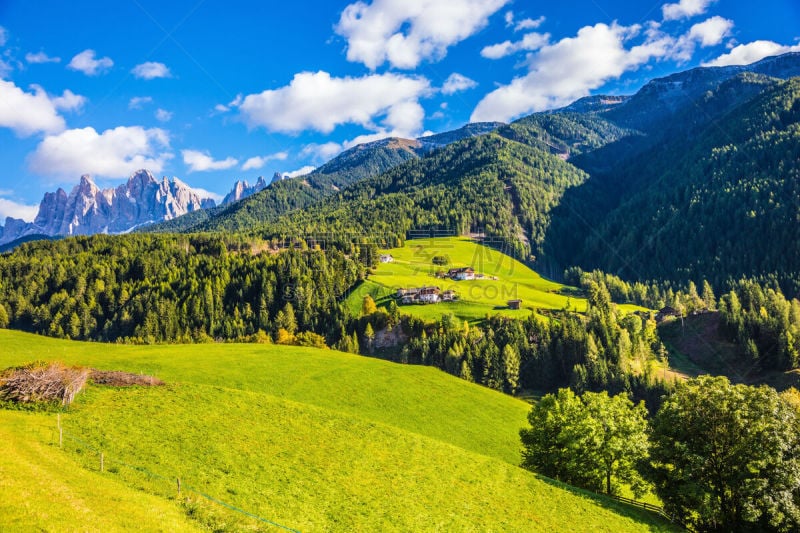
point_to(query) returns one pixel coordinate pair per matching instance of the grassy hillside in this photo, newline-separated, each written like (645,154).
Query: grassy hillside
(42,489)
(413,267)
(316,440)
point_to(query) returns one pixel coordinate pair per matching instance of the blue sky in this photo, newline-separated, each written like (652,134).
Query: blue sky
(213,91)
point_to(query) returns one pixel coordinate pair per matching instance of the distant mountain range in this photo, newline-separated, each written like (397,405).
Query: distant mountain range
(145,203)
(87,209)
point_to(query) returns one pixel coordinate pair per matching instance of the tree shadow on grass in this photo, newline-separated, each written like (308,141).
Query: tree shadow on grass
(652,520)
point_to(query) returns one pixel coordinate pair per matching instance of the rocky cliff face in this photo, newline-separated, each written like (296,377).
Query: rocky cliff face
(88,209)
(242,189)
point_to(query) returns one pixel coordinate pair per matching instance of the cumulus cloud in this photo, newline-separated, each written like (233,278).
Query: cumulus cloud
(456,82)
(564,71)
(529,42)
(9,208)
(317,101)
(87,63)
(524,24)
(561,72)
(744,54)
(151,70)
(711,32)
(137,102)
(115,153)
(322,152)
(198,161)
(28,113)
(406,32)
(685,9)
(529,24)
(40,57)
(308,169)
(260,160)
(162,115)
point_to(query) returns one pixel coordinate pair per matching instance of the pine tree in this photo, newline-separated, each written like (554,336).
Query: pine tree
(511,363)
(709,300)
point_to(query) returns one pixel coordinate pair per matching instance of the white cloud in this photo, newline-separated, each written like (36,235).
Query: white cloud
(685,9)
(201,161)
(299,172)
(316,101)
(529,24)
(219,108)
(69,101)
(3,36)
(405,32)
(162,115)
(456,82)
(564,71)
(529,42)
(260,160)
(711,32)
(137,102)
(29,113)
(744,54)
(40,57)
(151,70)
(322,152)
(9,208)
(85,62)
(115,153)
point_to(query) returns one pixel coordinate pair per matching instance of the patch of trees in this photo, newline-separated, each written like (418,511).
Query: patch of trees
(720,457)
(763,323)
(157,288)
(686,298)
(601,350)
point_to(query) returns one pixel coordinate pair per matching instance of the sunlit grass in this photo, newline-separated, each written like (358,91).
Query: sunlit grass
(316,440)
(413,267)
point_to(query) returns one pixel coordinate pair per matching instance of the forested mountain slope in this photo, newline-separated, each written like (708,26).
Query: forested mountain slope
(723,204)
(358,163)
(488,184)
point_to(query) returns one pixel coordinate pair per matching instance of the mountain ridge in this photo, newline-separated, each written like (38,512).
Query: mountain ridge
(87,209)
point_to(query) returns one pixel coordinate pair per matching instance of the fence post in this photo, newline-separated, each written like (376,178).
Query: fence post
(102,462)
(60,433)
(178,480)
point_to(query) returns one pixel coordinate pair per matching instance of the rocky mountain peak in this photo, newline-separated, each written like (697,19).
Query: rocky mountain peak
(87,209)
(241,189)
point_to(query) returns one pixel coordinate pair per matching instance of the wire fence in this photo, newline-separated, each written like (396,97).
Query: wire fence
(179,484)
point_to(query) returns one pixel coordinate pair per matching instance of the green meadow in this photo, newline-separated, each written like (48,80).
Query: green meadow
(310,439)
(505,279)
